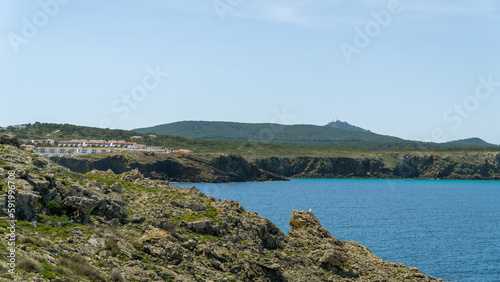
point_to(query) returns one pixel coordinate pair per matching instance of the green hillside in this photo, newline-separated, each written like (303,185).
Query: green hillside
(248,149)
(333,135)
(265,132)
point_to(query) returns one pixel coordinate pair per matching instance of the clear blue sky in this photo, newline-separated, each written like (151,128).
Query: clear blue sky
(252,60)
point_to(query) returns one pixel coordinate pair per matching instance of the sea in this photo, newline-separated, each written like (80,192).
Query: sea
(447,229)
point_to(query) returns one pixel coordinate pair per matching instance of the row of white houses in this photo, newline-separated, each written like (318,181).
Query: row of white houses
(45,141)
(100,143)
(65,151)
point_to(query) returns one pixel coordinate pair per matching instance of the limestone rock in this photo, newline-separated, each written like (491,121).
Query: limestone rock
(304,222)
(132,175)
(155,235)
(116,187)
(137,218)
(81,206)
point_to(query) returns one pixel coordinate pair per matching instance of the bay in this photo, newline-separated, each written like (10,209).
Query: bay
(448,229)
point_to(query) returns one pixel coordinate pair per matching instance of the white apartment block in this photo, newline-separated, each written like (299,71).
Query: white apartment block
(47,141)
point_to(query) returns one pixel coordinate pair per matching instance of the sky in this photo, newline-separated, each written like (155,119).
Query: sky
(416,69)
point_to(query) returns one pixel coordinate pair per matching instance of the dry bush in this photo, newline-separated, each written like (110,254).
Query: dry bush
(117,277)
(3,267)
(27,240)
(81,267)
(35,241)
(41,258)
(29,264)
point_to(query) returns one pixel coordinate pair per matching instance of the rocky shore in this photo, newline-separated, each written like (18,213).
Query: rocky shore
(103,226)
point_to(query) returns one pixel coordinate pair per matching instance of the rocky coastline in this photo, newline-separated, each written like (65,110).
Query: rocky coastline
(223,168)
(103,226)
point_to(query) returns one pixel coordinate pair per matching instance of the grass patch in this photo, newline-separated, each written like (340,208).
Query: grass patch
(211,212)
(110,179)
(191,216)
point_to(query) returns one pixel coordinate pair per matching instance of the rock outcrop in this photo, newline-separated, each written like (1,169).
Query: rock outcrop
(9,139)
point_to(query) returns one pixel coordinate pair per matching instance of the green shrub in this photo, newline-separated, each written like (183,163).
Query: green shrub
(48,274)
(53,207)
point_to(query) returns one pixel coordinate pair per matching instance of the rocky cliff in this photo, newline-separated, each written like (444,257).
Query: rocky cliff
(219,168)
(216,168)
(470,166)
(102,226)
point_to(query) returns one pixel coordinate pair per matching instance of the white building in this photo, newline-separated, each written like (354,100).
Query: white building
(46,141)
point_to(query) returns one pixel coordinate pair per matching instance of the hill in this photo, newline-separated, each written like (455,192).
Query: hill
(334,135)
(267,132)
(470,142)
(344,125)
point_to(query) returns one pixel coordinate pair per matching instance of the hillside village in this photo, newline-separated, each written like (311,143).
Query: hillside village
(51,148)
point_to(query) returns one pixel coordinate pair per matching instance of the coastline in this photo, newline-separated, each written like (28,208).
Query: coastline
(225,168)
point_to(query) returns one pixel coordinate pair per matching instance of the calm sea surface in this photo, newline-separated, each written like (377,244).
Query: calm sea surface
(448,229)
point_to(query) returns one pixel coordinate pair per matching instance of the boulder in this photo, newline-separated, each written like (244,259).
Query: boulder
(204,226)
(116,187)
(306,223)
(155,235)
(327,258)
(81,207)
(137,218)
(111,208)
(166,224)
(132,175)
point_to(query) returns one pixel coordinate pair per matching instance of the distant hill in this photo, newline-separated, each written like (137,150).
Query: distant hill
(470,142)
(344,125)
(336,134)
(267,132)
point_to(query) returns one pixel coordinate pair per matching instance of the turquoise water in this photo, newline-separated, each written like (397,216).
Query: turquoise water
(448,229)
